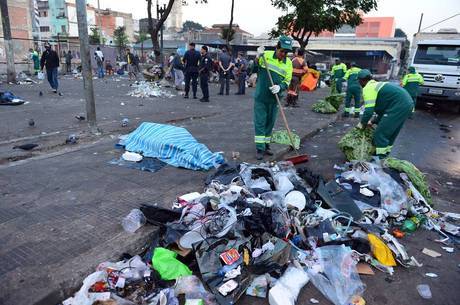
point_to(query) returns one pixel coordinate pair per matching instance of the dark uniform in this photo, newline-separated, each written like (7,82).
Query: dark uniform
(204,70)
(191,60)
(242,66)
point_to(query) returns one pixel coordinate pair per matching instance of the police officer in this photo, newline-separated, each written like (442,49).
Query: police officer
(392,104)
(191,59)
(265,104)
(204,70)
(242,66)
(353,91)
(338,72)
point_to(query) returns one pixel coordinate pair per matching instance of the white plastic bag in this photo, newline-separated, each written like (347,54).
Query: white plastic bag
(287,288)
(40,75)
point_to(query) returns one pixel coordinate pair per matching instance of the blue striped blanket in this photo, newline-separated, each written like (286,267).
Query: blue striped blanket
(173,145)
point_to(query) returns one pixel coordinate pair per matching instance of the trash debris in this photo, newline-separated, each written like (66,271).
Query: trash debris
(7,98)
(314,301)
(80,117)
(323,106)
(132,157)
(165,263)
(357,144)
(71,139)
(145,89)
(424,291)
(31,122)
(28,146)
(124,122)
(287,288)
(448,249)
(431,253)
(259,286)
(133,221)
(430,274)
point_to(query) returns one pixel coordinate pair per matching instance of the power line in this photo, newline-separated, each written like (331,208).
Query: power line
(458,14)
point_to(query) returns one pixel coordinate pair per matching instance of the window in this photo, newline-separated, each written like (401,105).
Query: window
(63,29)
(45,14)
(44,29)
(448,55)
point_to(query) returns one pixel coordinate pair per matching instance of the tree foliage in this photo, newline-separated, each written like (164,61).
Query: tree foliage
(94,36)
(191,25)
(120,38)
(227,34)
(306,17)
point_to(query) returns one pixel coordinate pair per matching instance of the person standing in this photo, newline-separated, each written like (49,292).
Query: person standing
(50,60)
(242,74)
(191,59)
(411,82)
(225,65)
(68,61)
(265,104)
(131,64)
(204,70)
(338,72)
(99,57)
(178,69)
(299,69)
(35,59)
(392,104)
(354,91)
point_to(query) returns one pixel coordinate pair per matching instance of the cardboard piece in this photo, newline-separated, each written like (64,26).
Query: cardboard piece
(364,269)
(431,253)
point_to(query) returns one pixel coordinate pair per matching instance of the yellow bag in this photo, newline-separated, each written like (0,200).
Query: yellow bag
(381,251)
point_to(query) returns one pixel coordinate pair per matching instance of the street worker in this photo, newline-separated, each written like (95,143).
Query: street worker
(50,60)
(354,91)
(392,105)
(299,69)
(338,72)
(204,70)
(265,104)
(35,59)
(411,81)
(191,60)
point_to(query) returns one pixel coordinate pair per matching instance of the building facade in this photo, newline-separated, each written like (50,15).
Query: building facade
(372,27)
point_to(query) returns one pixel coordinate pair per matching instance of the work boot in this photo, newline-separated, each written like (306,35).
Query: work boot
(259,154)
(345,115)
(204,100)
(356,115)
(194,97)
(186,96)
(268,151)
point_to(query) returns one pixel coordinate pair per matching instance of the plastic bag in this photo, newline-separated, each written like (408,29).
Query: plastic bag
(308,82)
(40,75)
(82,297)
(287,288)
(193,289)
(133,221)
(381,251)
(335,274)
(165,263)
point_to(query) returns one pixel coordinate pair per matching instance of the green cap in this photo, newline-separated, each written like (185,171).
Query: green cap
(411,69)
(285,42)
(364,73)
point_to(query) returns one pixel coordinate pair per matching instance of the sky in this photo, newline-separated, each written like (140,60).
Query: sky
(259,16)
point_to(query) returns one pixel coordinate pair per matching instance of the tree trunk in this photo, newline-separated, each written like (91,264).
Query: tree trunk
(9,48)
(304,42)
(154,30)
(230,25)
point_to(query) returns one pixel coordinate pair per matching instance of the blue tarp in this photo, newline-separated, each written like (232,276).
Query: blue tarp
(173,145)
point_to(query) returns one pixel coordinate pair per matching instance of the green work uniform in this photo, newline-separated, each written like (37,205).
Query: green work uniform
(265,105)
(354,90)
(411,82)
(36,61)
(393,105)
(338,72)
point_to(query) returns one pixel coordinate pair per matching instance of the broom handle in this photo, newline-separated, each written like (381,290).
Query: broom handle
(280,107)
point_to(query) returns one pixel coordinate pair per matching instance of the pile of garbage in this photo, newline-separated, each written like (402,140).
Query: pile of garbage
(330,104)
(356,144)
(145,89)
(267,230)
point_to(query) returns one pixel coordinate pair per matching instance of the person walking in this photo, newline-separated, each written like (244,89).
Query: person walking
(299,69)
(204,70)
(354,91)
(392,105)
(411,82)
(35,59)
(192,60)
(242,74)
(131,64)
(99,57)
(265,104)
(68,61)
(50,60)
(226,65)
(178,69)
(338,72)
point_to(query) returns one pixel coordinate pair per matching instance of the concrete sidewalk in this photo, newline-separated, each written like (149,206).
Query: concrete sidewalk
(61,212)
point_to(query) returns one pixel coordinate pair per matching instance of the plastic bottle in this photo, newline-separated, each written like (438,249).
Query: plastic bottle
(424,291)
(412,224)
(133,221)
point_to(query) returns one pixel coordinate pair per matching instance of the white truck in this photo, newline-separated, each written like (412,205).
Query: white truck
(436,56)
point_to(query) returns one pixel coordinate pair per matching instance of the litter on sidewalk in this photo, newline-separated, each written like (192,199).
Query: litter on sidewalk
(266,230)
(145,89)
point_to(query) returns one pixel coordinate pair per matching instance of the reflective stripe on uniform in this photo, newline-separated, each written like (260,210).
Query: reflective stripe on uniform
(370,92)
(412,78)
(280,67)
(268,140)
(259,139)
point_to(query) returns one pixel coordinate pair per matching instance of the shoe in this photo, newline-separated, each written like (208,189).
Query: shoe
(259,154)
(195,97)
(268,151)
(345,115)
(204,100)
(54,91)
(238,93)
(287,105)
(227,93)
(356,115)
(186,96)
(220,93)
(295,106)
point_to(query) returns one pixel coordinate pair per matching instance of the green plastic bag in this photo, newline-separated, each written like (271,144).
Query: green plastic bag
(322,106)
(165,263)
(417,178)
(357,144)
(282,137)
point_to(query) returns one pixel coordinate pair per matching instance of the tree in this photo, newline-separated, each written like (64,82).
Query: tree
(191,25)
(405,49)
(120,38)
(400,33)
(306,17)
(230,32)
(155,27)
(227,35)
(143,36)
(94,37)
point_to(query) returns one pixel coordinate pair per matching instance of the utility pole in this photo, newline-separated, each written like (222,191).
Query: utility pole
(420,23)
(9,49)
(86,65)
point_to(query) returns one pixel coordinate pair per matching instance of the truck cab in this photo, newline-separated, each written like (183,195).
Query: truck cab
(438,61)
